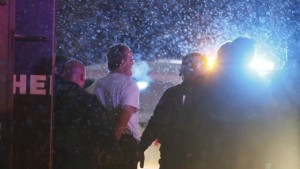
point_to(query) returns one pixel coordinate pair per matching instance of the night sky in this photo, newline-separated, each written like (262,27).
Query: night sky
(171,28)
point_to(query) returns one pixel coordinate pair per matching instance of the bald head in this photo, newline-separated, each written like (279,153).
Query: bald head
(74,71)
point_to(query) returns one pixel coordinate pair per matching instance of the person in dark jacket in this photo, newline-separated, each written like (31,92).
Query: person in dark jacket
(81,133)
(59,66)
(230,124)
(168,121)
(285,92)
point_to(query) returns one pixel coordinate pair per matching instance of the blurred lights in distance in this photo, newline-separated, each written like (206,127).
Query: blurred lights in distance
(142,85)
(175,61)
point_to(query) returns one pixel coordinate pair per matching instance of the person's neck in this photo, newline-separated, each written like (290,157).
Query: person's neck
(191,79)
(77,82)
(120,72)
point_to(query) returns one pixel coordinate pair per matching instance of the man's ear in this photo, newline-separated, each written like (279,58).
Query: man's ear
(82,78)
(122,63)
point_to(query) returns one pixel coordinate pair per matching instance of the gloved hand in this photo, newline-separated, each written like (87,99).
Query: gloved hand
(140,158)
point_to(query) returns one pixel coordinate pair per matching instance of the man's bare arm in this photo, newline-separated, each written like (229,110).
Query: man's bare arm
(123,120)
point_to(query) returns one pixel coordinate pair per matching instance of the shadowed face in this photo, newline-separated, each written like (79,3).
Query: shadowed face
(193,66)
(127,62)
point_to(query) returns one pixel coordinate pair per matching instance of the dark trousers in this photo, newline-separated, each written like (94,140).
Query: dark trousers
(129,148)
(172,161)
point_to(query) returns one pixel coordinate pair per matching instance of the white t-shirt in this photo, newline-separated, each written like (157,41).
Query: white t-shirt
(116,90)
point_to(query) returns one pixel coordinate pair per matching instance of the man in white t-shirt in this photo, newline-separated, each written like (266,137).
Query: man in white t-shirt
(120,96)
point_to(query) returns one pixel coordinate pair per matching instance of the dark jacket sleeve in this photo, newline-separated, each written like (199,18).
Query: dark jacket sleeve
(103,128)
(158,122)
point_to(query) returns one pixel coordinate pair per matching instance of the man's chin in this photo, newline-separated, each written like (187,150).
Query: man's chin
(129,74)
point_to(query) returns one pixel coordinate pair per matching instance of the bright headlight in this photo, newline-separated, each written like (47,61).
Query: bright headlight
(262,66)
(142,85)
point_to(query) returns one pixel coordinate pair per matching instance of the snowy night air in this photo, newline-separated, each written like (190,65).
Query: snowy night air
(162,32)
(153,84)
(172,28)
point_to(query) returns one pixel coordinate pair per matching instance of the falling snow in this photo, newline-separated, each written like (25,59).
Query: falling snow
(171,28)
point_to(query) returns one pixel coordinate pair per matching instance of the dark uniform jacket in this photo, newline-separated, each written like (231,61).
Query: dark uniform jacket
(231,125)
(81,132)
(167,124)
(286,103)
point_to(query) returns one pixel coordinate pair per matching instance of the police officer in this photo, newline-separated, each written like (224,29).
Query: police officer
(231,126)
(285,92)
(82,137)
(169,120)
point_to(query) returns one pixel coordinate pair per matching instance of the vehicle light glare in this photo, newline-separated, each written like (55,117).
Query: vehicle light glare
(142,85)
(262,66)
(211,62)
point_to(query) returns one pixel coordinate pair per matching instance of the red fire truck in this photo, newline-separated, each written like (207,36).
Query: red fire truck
(26,67)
